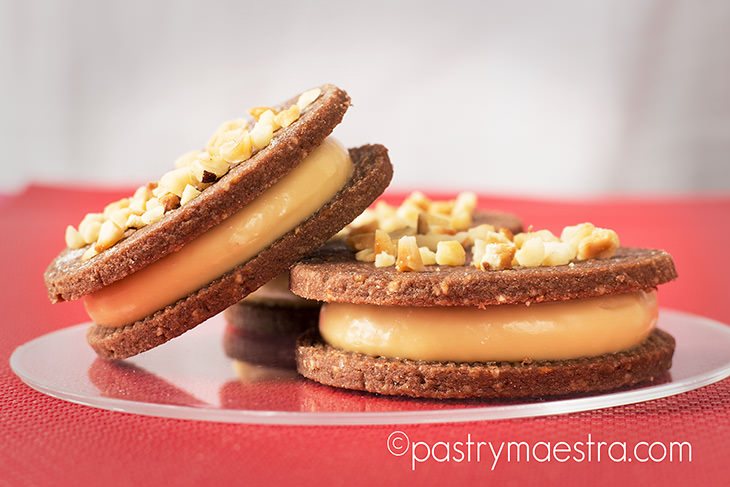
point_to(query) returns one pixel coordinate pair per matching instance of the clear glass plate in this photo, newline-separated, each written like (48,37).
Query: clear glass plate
(191,378)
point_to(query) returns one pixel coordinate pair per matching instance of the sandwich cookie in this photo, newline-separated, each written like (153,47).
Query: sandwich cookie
(229,218)
(262,328)
(499,316)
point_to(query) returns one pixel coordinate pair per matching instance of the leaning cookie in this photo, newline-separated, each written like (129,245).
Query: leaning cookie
(527,315)
(224,222)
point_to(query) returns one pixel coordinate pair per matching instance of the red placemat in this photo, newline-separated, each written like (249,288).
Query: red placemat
(47,441)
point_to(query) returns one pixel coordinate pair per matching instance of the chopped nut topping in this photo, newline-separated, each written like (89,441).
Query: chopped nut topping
(383,243)
(365,255)
(409,257)
(171,201)
(384,259)
(189,193)
(306,98)
(232,143)
(450,253)
(600,244)
(428,257)
(74,240)
(441,237)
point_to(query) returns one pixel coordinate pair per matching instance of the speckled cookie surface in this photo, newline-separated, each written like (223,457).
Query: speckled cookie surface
(68,278)
(325,364)
(332,274)
(371,175)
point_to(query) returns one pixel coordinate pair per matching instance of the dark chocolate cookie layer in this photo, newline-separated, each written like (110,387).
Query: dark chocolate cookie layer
(371,175)
(325,364)
(68,278)
(257,317)
(266,335)
(332,274)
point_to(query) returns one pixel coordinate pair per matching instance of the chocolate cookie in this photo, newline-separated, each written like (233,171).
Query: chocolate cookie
(68,277)
(265,334)
(371,176)
(325,364)
(331,274)
(236,169)
(462,331)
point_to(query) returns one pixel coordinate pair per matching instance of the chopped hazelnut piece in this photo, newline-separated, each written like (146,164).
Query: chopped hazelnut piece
(361,241)
(89,230)
(261,134)
(384,259)
(428,257)
(74,240)
(409,258)
(497,256)
(189,193)
(574,234)
(307,98)
(600,244)
(383,243)
(238,149)
(450,253)
(531,253)
(287,117)
(365,255)
(256,112)
(171,201)
(175,181)
(153,215)
(90,252)
(558,253)
(109,234)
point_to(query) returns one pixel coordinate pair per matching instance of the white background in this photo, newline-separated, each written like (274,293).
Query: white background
(545,98)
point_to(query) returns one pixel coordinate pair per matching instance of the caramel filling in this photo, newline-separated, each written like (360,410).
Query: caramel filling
(546,331)
(232,242)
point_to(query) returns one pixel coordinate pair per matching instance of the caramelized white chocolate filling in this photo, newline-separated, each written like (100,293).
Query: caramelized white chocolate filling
(232,242)
(545,331)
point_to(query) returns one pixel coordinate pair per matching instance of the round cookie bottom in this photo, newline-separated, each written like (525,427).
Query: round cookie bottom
(328,365)
(266,335)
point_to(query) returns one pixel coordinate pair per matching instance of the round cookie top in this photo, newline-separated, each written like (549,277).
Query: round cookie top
(332,274)
(69,277)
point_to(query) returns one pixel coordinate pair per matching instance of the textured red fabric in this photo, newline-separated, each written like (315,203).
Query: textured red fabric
(45,441)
